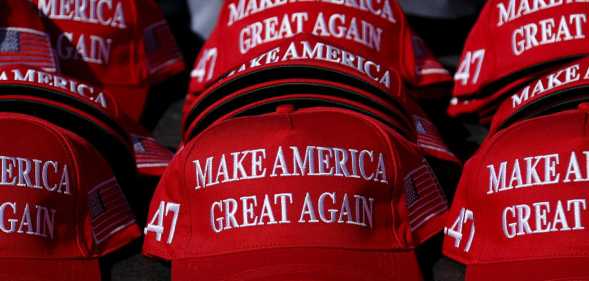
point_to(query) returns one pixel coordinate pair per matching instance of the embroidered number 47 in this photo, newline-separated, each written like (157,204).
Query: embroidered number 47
(157,221)
(456,231)
(463,74)
(201,72)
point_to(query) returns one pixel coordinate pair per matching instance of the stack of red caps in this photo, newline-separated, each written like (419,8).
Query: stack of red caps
(320,193)
(304,156)
(123,46)
(85,110)
(357,56)
(103,49)
(512,43)
(520,208)
(67,160)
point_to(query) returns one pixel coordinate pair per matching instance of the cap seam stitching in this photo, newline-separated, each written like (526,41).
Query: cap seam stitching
(51,128)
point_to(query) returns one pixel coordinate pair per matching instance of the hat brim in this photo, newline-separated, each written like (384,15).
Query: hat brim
(232,101)
(115,148)
(24,269)
(563,269)
(300,264)
(151,159)
(303,101)
(282,71)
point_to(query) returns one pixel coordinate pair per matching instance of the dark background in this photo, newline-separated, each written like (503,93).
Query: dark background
(443,24)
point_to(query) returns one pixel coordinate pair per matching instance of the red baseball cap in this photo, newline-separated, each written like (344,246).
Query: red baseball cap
(89,103)
(123,46)
(519,211)
(343,37)
(61,206)
(511,37)
(558,87)
(274,219)
(24,38)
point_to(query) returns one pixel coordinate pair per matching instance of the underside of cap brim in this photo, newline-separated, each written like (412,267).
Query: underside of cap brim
(24,269)
(301,264)
(557,269)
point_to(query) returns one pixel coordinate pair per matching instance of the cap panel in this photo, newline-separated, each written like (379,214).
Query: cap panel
(286,135)
(40,191)
(525,35)
(534,198)
(109,222)
(93,40)
(477,60)
(422,203)
(534,182)
(168,229)
(460,240)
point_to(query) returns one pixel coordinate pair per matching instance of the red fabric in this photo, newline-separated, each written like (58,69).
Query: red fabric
(381,41)
(411,122)
(300,69)
(182,228)
(62,230)
(92,103)
(512,36)
(122,45)
(24,37)
(487,103)
(521,202)
(303,265)
(299,100)
(572,269)
(554,86)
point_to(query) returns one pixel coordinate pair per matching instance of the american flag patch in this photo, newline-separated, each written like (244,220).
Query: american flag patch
(160,46)
(109,210)
(424,195)
(424,60)
(149,153)
(428,136)
(28,47)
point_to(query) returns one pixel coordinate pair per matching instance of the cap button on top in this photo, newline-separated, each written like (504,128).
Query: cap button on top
(584,107)
(285,108)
